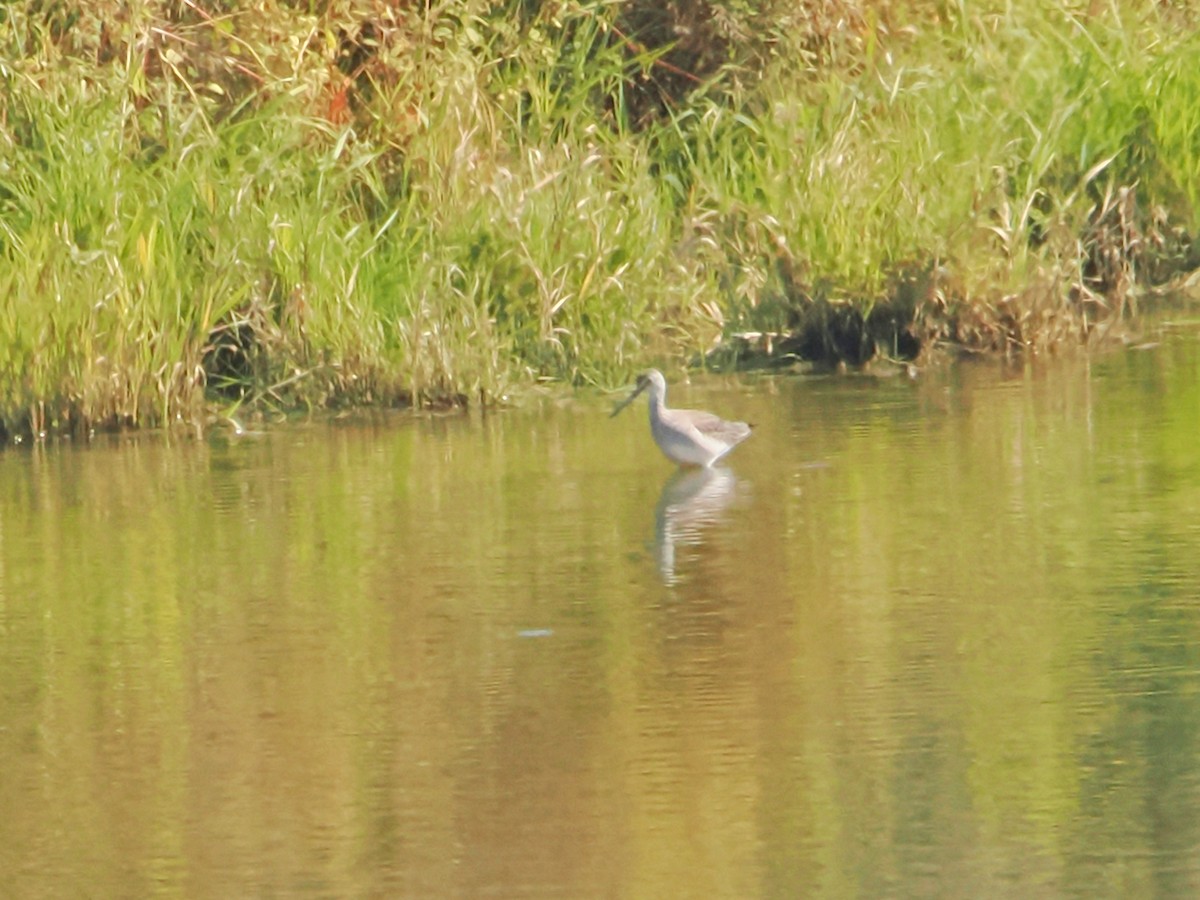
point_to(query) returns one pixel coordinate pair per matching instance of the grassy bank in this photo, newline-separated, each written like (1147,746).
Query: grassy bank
(209,205)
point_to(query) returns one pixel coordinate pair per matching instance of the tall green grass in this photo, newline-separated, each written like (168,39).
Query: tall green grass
(134,235)
(983,153)
(201,212)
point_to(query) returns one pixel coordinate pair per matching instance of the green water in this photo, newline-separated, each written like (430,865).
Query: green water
(931,637)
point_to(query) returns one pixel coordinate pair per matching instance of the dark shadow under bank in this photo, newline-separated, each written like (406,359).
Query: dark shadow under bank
(922,317)
(842,338)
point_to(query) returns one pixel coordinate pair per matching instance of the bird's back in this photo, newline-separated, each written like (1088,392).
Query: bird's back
(695,437)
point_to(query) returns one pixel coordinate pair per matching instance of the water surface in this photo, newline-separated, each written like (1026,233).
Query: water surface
(920,637)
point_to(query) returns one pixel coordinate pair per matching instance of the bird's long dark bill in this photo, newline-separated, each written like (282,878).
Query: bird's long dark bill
(624,403)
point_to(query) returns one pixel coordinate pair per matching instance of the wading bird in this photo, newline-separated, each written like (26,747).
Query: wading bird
(687,437)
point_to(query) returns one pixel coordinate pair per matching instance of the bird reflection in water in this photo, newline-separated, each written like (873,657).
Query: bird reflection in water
(691,500)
